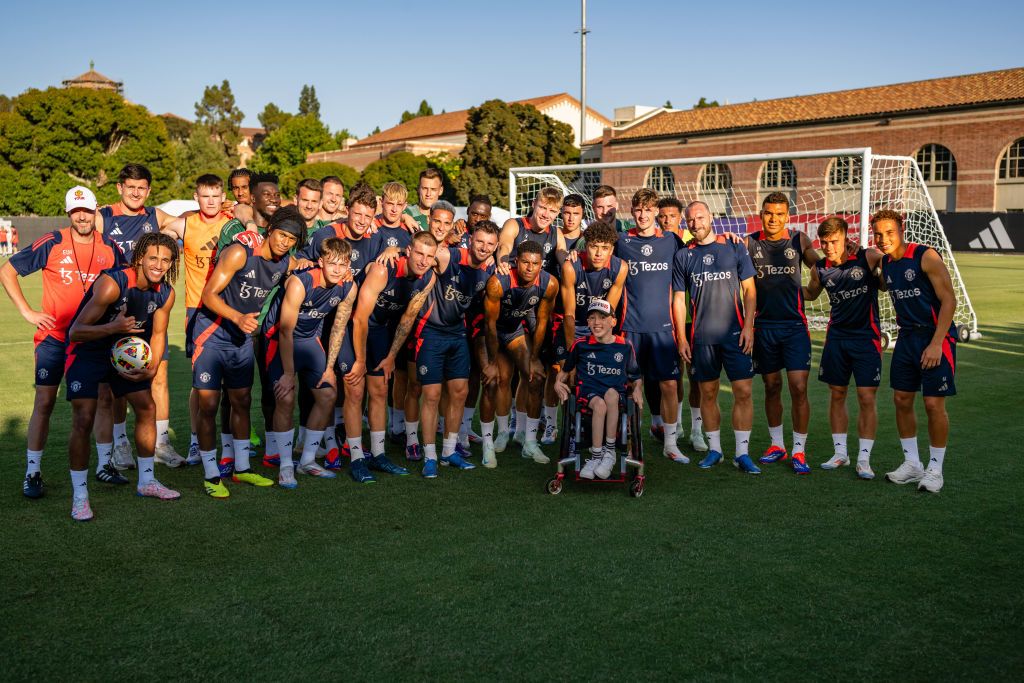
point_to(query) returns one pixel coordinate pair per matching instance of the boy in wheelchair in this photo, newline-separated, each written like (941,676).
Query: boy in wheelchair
(605,365)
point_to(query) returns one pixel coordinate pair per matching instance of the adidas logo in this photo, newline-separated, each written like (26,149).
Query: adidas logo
(115,231)
(993,237)
(67,260)
(251,274)
(210,246)
(592,355)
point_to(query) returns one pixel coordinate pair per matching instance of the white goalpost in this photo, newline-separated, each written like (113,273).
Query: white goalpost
(853,183)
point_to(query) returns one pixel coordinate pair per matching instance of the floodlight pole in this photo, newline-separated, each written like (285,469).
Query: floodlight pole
(583,71)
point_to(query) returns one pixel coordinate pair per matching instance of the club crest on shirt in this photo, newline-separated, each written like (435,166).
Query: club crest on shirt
(355,256)
(423,369)
(275,277)
(857,273)
(204,377)
(790,253)
(76,386)
(647,250)
(146,227)
(151,307)
(618,357)
(909,275)
(335,300)
(43,373)
(709,259)
(607,284)
(532,301)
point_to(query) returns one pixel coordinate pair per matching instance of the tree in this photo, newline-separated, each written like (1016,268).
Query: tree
(403,167)
(704,103)
(424,110)
(500,136)
(450,165)
(55,138)
(375,130)
(5,103)
(273,117)
(217,111)
(178,129)
(200,153)
(668,104)
(309,105)
(289,145)
(318,169)
(340,137)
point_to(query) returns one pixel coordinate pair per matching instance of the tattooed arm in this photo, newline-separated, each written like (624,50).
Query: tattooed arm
(404,326)
(338,335)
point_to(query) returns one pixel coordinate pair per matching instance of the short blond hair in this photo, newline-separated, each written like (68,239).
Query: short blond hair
(394,191)
(550,196)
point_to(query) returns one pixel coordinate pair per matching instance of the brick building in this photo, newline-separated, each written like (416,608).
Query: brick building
(967,133)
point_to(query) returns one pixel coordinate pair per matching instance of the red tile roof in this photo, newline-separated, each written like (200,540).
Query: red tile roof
(452,122)
(938,93)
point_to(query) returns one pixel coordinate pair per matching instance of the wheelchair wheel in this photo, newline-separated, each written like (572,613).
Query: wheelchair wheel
(636,488)
(554,486)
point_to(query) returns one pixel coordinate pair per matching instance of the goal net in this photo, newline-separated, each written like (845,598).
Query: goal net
(853,183)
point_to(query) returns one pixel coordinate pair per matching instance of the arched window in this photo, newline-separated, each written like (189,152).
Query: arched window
(661,180)
(716,188)
(844,181)
(938,168)
(778,175)
(1010,183)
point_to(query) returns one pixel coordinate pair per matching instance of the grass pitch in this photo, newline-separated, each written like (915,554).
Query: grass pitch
(481,575)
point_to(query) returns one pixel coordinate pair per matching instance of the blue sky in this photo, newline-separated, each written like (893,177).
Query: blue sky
(370,61)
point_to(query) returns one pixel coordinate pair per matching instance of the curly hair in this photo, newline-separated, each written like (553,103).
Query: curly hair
(887,215)
(157,239)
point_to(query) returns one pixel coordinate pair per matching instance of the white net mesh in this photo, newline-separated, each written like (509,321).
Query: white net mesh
(818,185)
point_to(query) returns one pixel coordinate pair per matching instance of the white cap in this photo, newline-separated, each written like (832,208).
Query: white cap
(599,305)
(79,197)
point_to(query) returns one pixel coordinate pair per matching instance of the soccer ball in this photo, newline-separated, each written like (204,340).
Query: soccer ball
(130,353)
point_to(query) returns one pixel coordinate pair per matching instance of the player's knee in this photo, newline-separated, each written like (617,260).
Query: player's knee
(430,393)
(839,394)
(82,418)
(241,401)
(866,397)
(935,406)
(904,400)
(773,385)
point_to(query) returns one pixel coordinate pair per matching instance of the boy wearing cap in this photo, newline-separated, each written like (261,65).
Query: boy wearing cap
(71,259)
(604,363)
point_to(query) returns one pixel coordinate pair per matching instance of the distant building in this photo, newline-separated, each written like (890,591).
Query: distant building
(94,80)
(966,132)
(251,140)
(446,132)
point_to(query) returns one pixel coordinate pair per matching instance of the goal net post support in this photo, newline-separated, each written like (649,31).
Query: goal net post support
(853,183)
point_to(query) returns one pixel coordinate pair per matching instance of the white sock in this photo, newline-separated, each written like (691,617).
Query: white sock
(531,429)
(397,421)
(411,429)
(799,442)
(742,442)
(210,470)
(330,440)
(448,445)
(163,436)
(355,447)
(910,451)
(467,421)
(241,449)
(502,423)
(33,459)
(120,432)
(430,451)
(273,444)
(839,444)
(696,421)
(551,416)
(309,446)
(715,440)
(145,471)
(935,457)
(227,448)
(487,433)
(656,421)
(103,452)
(376,443)
(777,437)
(80,484)
(520,422)
(285,442)
(670,436)
(864,454)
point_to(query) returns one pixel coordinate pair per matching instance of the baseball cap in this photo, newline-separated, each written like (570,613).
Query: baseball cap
(79,197)
(601,306)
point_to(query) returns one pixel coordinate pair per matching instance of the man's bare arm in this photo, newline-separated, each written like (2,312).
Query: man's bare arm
(340,324)
(409,317)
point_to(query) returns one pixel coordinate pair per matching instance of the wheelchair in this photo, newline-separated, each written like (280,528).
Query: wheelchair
(575,438)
